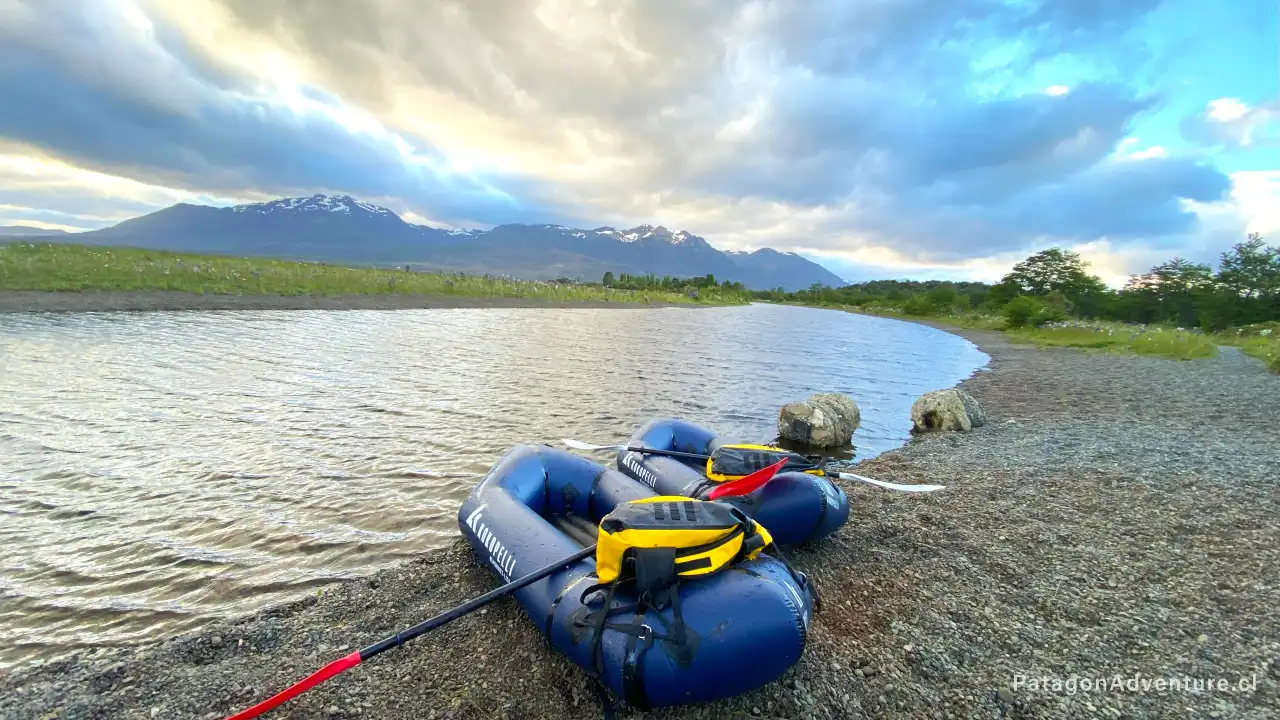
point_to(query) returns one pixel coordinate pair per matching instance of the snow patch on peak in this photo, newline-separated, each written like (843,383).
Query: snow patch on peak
(315,203)
(371,208)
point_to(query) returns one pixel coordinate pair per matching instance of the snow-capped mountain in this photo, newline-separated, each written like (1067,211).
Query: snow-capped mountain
(344,204)
(342,229)
(644,232)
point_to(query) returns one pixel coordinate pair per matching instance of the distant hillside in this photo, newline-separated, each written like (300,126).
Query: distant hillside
(29,231)
(342,229)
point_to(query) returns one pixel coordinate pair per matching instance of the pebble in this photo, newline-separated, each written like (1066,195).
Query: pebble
(215,641)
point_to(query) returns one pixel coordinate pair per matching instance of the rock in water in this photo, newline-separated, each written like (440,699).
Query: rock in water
(946,410)
(824,420)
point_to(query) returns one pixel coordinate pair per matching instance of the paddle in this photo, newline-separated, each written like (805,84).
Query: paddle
(342,664)
(579,445)
(346,663)
(749,484)
(889,485)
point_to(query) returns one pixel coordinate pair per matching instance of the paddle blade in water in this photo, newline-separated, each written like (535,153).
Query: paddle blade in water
(749,484)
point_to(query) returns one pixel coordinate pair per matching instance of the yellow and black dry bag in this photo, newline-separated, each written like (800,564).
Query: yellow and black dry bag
(675,536)
(731,462)
(653,545)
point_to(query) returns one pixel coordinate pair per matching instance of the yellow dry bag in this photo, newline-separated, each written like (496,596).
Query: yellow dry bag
(675,537)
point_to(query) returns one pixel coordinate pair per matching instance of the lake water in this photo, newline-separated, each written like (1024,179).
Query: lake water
(157,469)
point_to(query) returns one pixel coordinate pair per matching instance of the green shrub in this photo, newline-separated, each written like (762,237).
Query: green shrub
(1022,311)
(918,305)
(1049,314)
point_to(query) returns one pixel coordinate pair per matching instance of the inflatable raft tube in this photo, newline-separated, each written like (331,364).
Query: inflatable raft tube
(746,624)
(795,507)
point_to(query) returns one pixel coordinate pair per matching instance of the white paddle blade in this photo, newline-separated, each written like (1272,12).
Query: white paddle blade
(579,445)
(892,486)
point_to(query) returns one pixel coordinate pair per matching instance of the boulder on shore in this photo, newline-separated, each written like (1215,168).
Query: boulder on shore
(946,410)
(823,420)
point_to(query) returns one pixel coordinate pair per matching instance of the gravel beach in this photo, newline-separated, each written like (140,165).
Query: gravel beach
(1116,520)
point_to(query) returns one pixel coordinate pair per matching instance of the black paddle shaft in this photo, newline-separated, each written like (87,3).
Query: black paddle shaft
(669,453)
(696,456)
(405,636)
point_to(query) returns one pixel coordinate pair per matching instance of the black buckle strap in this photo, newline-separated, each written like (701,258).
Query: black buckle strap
(632,665)
(801,579)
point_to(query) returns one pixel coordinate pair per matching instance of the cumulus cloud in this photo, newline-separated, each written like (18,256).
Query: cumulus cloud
(93,87)
(1230,122)
(844,128)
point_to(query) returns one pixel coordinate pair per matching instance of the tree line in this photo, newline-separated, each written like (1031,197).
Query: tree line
(626,281)
(1055,284)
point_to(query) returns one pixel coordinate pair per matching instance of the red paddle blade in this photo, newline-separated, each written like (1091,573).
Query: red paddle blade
(319,676)
(749,484)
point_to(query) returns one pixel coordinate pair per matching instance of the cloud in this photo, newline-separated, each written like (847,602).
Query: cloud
(128,101)
(1230,122)
(39,186)
(953,132)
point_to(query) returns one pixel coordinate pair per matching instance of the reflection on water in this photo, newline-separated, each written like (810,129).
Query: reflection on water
(159,468)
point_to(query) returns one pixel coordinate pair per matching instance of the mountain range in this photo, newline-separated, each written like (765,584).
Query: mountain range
(341,229)
(28,231)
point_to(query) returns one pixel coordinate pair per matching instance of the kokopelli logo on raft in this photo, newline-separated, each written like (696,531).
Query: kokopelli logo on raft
(631,462)
(502,561)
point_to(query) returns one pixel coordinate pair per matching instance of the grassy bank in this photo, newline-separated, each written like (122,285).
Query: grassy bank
(1115,337)
(58,267)
(1261,341)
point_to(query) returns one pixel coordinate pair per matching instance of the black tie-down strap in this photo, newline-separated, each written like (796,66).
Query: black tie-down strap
(678,641)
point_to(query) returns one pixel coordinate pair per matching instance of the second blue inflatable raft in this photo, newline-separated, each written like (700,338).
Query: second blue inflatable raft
(796,507)
(746,625)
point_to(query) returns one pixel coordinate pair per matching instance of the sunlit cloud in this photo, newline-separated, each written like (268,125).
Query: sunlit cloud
(935,137)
